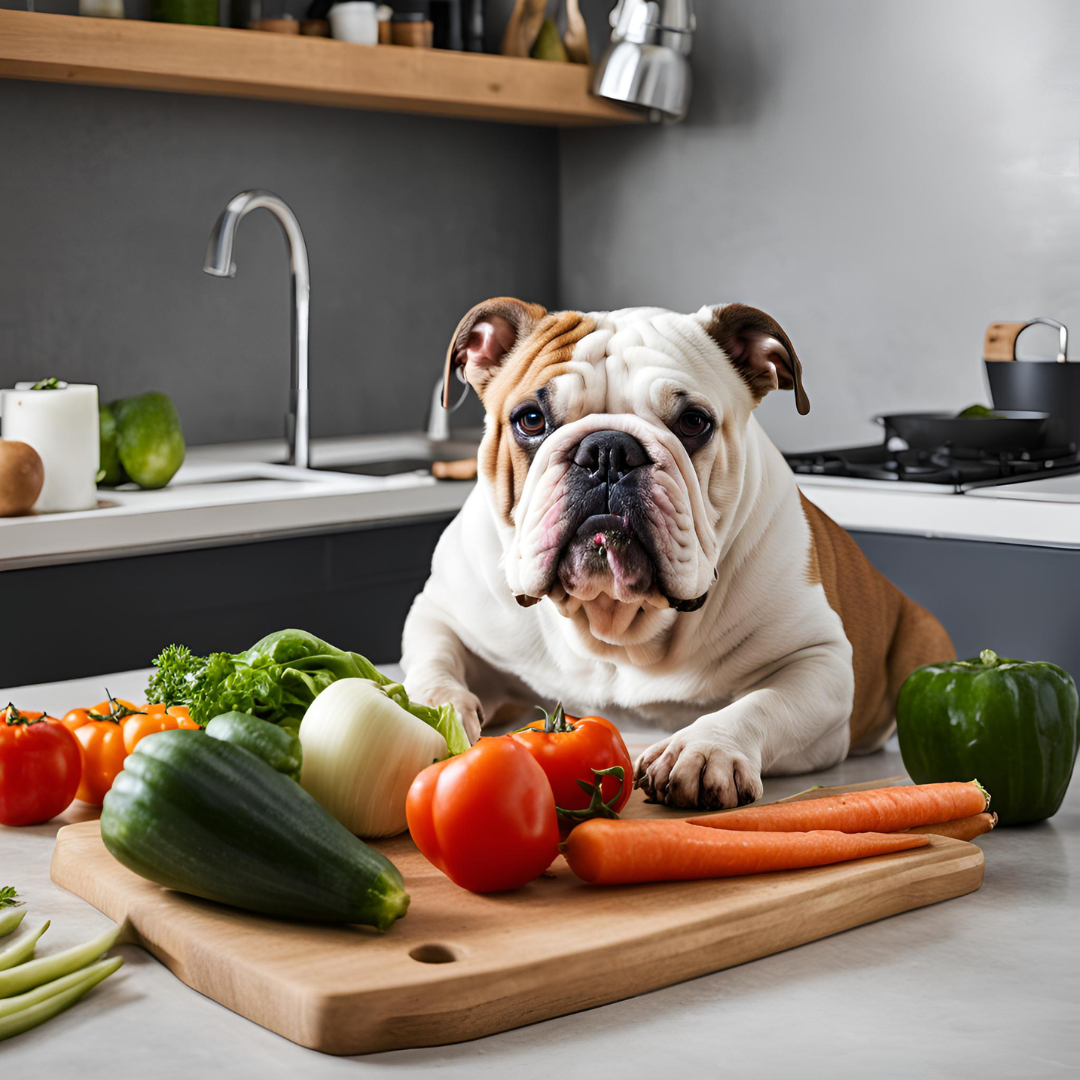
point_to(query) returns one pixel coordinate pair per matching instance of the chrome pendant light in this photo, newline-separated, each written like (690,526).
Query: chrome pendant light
(647,64)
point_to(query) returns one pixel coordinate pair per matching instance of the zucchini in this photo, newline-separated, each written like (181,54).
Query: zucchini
(208,818)
(277,746)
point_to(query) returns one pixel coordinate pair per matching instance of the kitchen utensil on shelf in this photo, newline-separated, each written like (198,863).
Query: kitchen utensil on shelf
(1051,385)
(194,12)
(1005,430)
(285,25)
(576,37)
(472,25)
(102,9)
(647,63)
(355,21)
(446,25)
(523,27)
(411,24)
(62,426)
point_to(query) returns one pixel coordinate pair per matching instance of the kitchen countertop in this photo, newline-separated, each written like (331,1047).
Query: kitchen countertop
(234,492)
(982,986)
(231,493)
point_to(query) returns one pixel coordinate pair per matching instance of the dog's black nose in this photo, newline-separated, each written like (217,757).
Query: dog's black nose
(610,455)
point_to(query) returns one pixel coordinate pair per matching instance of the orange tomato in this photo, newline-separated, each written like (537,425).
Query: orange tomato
(152,719)
(100,734)
(103,754)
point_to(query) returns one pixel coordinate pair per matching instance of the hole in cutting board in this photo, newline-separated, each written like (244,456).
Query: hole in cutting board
(432,954)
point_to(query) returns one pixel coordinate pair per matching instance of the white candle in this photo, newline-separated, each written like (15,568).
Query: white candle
(62,426)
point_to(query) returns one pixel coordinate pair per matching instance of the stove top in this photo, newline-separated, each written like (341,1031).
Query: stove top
(949,467)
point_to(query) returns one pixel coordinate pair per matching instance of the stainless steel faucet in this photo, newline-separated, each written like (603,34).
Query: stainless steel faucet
(219,262)
(438,427)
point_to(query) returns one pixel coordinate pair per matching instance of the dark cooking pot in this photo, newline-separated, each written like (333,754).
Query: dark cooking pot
(1051,386)
(1005,430)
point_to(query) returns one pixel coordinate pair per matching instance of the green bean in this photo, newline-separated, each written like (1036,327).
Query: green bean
(20,950)
(10,919)
(35,972)
(11,1005)
(25,1019)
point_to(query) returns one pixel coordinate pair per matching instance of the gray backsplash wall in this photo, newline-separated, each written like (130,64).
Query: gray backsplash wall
(107,198)
(884,178)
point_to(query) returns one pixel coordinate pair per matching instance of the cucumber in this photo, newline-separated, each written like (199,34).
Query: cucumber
(208,818)
(277,746)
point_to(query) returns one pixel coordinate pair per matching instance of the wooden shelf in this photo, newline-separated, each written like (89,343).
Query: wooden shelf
(316,71)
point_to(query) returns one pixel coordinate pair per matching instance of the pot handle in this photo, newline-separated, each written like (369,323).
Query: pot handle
(999,343)
(1063,337)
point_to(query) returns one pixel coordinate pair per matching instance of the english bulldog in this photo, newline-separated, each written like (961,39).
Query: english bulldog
(637,546)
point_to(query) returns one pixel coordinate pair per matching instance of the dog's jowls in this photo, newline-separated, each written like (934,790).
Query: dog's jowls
(636,545)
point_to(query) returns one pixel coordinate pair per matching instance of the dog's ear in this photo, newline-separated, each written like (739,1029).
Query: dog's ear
(760,350)
(484,337)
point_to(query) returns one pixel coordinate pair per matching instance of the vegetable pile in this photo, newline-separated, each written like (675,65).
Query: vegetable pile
(252,778)
(277,679)
(35,990)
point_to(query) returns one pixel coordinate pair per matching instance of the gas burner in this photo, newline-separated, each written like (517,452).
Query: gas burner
(959,467)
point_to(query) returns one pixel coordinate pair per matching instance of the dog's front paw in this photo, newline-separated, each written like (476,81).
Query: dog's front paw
(701,769)
(467,705)
(470,710)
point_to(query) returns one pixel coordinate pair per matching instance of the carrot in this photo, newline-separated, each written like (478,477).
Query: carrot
(965,828)
(606,852)
(883,810)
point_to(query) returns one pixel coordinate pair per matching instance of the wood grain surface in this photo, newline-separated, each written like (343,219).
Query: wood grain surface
(318,71)
(999,342)
(460,966)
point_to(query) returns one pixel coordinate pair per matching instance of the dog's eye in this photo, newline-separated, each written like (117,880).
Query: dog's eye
(693,424)
(530,422)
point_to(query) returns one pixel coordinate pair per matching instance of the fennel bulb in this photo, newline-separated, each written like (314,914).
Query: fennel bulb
(362,751)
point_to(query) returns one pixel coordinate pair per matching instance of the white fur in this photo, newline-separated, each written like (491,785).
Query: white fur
(759,680)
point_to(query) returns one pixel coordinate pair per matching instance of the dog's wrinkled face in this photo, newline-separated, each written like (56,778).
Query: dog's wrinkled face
(614,449)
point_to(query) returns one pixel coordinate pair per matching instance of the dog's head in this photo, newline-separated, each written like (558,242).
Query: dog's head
(614,448)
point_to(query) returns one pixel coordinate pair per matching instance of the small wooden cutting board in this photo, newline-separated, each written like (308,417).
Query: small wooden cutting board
(460,966)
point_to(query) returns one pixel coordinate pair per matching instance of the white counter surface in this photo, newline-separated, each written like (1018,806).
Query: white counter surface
(985,986)
(232,493)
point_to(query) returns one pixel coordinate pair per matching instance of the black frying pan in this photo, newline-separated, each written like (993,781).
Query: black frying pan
(1005,430)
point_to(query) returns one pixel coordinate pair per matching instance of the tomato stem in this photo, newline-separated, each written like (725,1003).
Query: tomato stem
(555,721)
(117,711)
(12,716)
(597,807)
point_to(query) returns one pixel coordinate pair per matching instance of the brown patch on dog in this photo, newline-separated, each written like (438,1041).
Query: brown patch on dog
(521,316)
(534,362)
(760,350)
(890,634)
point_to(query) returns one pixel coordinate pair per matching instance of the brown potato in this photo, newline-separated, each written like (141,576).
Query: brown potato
(22,476)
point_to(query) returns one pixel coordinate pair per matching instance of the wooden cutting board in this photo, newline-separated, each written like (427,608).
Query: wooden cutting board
(460,966)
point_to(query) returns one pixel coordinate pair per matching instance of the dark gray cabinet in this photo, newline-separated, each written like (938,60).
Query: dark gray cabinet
(352,588)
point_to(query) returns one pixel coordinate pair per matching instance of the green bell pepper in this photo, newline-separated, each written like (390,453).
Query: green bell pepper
(1011,723)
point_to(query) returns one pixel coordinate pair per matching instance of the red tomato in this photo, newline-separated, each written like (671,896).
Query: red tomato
(485,818)
(571,749)
(40,766)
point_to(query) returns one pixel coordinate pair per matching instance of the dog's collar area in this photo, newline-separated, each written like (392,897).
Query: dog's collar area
(688,605)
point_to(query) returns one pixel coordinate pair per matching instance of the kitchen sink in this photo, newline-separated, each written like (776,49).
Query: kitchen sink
(392,455)
(375,456)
